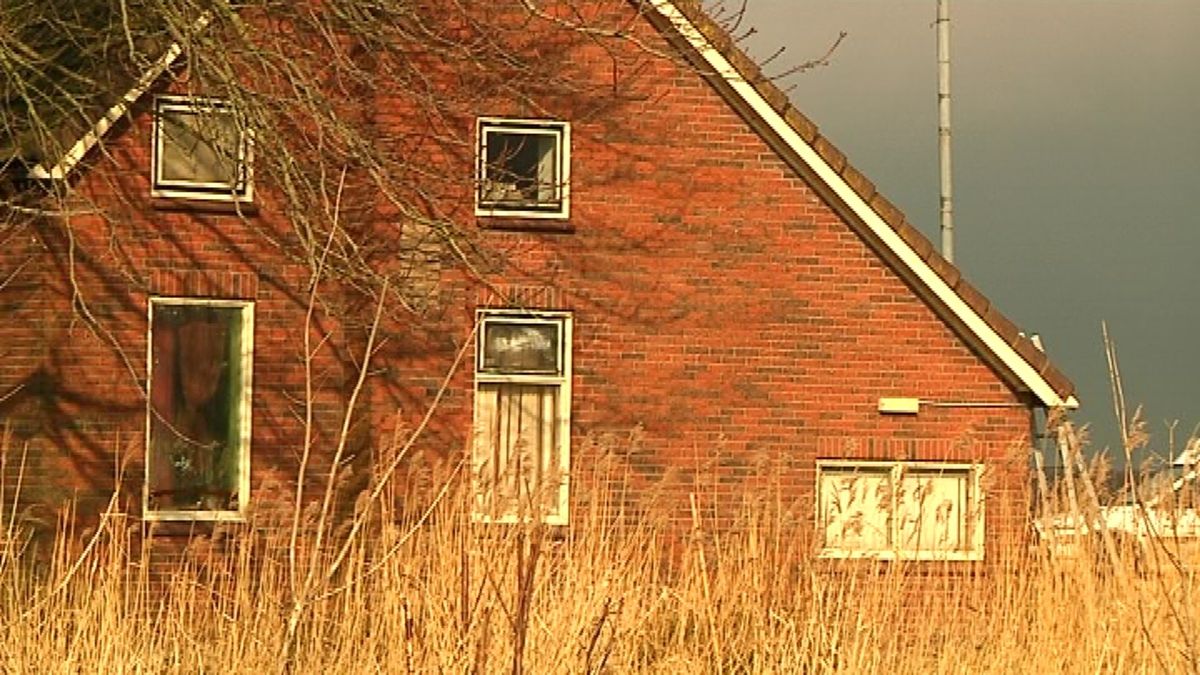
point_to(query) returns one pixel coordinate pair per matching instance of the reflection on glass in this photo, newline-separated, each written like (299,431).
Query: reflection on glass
(196,410)
(200,148)
(520,347)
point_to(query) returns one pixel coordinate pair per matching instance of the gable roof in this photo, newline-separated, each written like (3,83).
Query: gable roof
(769,111)
(796,139)
(63,165)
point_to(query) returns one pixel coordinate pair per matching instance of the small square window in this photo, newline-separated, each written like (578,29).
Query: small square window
(520,458)
(200,151)
(900,510)
(523,169)
(198,412)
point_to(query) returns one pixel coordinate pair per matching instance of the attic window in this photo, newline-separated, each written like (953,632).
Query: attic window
(523,168)
(200,151)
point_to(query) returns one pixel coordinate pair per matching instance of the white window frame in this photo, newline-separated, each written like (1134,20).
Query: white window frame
(558,209)
(247,356)
(196,190)
(975,505)
(562,379)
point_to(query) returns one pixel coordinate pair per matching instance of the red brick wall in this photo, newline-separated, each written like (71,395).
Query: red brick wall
(730,328)
(728,321)
(76,360)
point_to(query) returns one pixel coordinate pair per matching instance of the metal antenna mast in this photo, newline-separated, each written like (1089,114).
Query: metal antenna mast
(947,203)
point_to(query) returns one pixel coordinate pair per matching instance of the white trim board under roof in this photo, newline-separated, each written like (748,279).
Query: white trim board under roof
(974,322)
(65,164)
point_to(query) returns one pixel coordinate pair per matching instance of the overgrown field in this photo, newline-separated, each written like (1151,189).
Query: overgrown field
(440,595)
(444,598)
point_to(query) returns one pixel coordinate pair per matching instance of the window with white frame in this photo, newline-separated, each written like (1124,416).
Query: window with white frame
(900,510)
(198,410)
(523,168)
(520,463)
(200,151)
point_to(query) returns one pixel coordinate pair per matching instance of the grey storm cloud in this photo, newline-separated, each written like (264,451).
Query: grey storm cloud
(1076,166)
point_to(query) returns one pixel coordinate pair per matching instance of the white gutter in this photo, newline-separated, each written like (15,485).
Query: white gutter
(89,140)
(890,238)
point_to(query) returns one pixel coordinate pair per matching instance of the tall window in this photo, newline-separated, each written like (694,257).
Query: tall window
(200,151)
(900,510)
(523,168)
(198,427)
(520,461)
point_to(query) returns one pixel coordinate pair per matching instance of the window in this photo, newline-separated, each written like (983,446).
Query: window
(198,421)
(523,168)
(900,510)
(200,151)
(520,460)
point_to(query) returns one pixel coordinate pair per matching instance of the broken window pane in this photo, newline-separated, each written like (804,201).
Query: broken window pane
(521,167)
(198,405)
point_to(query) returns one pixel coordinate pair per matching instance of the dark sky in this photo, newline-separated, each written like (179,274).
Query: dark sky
(1076,166)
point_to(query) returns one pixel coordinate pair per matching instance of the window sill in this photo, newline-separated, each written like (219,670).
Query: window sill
(194,517)
(524,224)
(169,528)
(892,556)
(503,529)
(187,205)
(551,522)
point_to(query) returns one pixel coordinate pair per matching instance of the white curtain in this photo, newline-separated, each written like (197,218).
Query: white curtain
(517,458)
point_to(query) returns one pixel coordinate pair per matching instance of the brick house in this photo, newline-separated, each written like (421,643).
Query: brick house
(686,296)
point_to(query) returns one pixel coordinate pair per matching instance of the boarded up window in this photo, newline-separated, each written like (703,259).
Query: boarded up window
(900,510)
(932,510)
(520,451)
(856,508)
(520,458)
(197,450)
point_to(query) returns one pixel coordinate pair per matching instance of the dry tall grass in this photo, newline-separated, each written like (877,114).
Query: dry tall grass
(446,596)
